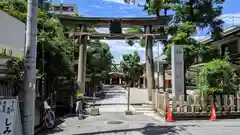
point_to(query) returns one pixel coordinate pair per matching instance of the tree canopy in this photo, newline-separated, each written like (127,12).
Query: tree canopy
(57,48)
(131,68)
(59,51)
(188,17)
(99,61)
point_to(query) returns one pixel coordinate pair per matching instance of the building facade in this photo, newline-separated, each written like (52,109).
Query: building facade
(64,9)
(12,36)
(12,41)
(228,44)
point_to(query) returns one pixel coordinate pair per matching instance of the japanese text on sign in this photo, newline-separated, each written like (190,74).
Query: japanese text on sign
(7,116)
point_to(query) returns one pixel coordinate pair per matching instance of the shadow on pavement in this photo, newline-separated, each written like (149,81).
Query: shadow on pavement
(149,129)
(45,131)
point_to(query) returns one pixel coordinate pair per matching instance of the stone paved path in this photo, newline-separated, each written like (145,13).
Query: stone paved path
(132,125)
(115,100)
(138,124)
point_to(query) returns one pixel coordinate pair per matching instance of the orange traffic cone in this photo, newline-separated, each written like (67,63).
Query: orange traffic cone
(169,115)
(213,113)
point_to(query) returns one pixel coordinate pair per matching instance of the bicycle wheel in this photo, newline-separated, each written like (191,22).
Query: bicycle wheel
(49,119)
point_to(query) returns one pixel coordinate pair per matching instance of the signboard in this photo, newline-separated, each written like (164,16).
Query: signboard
(177,70)
(6,51)
(10,123)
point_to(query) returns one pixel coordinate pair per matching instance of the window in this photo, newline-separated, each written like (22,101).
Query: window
(57,8)
(66,9)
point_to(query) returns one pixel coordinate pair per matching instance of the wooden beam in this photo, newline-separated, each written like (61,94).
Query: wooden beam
(119,36)
(104,22)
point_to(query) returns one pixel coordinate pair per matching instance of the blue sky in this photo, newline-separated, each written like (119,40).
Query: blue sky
(117,8)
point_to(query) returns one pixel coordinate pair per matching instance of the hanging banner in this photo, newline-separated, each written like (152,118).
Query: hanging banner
(10,122)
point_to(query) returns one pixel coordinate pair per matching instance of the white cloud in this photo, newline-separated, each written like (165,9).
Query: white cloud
(198,38)
(120,47)
(116,1)
(141,2)
(98,6)
(102,30)
(106,30)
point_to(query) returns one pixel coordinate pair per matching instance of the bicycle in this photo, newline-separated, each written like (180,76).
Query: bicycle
(48,117)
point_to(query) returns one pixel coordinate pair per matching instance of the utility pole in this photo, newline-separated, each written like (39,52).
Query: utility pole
(158,66)
(43,72)
(30,68)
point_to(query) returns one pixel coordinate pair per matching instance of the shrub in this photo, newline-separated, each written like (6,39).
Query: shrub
(218,76)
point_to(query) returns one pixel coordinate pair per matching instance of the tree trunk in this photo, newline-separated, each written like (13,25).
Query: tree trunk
(149,64)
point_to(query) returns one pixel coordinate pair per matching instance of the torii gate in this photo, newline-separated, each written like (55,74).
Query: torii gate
(115,25)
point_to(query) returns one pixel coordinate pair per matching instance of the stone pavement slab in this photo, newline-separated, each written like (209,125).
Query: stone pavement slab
(138,124)
(115,100)
(98,125)
(142,125)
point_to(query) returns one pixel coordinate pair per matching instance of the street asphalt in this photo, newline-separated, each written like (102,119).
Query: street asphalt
(113,121)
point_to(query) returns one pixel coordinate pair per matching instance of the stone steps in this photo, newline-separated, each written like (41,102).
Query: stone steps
(145,108)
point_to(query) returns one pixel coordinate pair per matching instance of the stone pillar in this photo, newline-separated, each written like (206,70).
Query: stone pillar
(139,82)
(110,80)
(120,80)
(177,71)
(144,80)
(149,63)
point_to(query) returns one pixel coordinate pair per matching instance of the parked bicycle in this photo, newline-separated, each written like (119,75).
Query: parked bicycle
(48,117)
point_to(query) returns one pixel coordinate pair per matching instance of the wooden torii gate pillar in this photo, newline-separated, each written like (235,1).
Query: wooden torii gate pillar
(82,58)
(149,62)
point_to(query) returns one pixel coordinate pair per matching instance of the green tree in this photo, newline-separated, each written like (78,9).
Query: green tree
(57,48)
(99,62)
(131,68)
(188,16)
(218,76)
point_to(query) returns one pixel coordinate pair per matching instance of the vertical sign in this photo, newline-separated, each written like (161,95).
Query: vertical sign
(10,123)
(177,70)
(7,116)
(161,79)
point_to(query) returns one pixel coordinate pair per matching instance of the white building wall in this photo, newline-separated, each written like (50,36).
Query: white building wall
(12,35)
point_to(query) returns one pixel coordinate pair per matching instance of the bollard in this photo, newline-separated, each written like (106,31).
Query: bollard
(128,111)
(94,111)
(94,99)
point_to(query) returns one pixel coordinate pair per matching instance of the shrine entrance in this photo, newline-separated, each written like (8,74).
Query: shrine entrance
(115,78)
(82,36)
